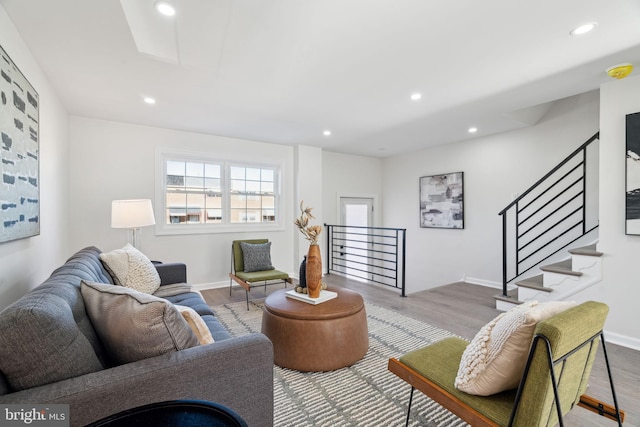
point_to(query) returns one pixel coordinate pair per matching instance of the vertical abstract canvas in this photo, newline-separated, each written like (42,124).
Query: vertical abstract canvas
(632,208)
(19,152)
(441,201)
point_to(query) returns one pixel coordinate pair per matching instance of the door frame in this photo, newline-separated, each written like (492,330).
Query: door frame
(376,207)
(374,215)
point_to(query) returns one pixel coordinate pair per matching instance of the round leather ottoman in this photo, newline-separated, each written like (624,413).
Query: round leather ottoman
(323,337)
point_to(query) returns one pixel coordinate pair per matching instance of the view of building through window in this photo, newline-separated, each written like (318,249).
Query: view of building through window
(252,194)
(200,193)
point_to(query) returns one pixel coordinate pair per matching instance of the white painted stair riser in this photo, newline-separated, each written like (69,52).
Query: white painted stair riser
(551,279)
(587,265)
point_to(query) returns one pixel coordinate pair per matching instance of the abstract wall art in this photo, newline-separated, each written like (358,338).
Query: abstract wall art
(441,201)
(19,154)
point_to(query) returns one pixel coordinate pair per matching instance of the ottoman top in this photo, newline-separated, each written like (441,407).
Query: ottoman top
(345,304)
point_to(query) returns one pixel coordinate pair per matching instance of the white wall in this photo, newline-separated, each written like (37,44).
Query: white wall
(112,161)
(349,175)
(308,190)
(25,263)
(619,287)
(495,168)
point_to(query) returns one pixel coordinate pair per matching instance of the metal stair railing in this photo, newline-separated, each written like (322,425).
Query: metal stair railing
(371,254)
(550,215)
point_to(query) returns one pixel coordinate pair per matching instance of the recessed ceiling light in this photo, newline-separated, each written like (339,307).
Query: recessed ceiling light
(165,8)
(473,129)
(327,132)
(583,29)
(149,100)
(416,96)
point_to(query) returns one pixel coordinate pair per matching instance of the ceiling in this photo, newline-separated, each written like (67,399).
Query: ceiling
(283,71)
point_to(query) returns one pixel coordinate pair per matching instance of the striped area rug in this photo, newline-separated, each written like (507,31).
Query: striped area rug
(365,394)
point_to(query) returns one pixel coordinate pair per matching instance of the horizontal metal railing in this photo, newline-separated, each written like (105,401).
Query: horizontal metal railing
(548,216)
(371,254)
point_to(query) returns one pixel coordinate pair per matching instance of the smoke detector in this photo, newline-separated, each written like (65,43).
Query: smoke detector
(620,71)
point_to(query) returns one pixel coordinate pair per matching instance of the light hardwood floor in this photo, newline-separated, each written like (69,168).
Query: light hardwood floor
(463,309)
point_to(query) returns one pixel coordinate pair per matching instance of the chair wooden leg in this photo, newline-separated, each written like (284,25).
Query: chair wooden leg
(409,408)
(602,408)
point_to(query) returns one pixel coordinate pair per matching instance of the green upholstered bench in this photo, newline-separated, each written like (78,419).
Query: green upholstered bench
(568,341)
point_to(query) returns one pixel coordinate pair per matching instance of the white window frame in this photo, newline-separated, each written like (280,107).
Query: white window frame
(161,228)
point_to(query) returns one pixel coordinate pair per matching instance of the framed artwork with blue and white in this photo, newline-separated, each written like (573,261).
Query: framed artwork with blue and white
(19,154)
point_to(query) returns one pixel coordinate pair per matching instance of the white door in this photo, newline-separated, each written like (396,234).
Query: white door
(356,212)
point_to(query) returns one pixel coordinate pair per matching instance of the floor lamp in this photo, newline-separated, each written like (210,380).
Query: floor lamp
(132,214)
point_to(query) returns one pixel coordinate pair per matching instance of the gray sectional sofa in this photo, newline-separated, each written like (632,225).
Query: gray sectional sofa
(51,353)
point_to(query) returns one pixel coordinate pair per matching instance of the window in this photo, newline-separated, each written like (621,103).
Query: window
(252,194)
(193,192)
(217,194)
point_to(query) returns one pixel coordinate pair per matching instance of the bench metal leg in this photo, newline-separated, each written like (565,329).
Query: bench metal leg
(409,408)
(618,414)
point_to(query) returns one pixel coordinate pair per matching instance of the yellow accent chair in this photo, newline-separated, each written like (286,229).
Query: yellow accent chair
(554,381)
(246,277)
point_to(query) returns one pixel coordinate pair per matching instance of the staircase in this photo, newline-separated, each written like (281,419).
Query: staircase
(557,281)
(551,228)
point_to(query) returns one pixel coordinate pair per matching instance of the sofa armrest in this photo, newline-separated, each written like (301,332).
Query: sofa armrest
(174,272)
(237,373)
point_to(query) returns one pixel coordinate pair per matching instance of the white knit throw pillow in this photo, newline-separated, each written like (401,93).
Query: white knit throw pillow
(495,359)
(131,268)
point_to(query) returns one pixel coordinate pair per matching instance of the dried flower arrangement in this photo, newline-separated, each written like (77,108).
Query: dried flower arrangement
(311,232)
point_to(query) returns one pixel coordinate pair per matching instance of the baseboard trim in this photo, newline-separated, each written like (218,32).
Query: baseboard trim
(622,340)
(212,285)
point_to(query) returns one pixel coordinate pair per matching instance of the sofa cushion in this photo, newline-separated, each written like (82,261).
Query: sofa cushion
(256,256)
(134,325)
(131,268)
(494,361)
(46,335)
(196,323)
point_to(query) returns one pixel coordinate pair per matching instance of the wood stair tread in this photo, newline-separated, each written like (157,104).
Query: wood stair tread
(562,267)
(589,250)
(535,282)
(512,296)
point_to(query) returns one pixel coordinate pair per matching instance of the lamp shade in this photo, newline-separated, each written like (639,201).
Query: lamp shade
(131,213)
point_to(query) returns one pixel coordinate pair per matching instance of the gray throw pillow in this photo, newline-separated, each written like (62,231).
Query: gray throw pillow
(256,256)
(134,325)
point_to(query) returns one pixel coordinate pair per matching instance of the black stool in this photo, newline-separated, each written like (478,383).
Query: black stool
(174,413)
